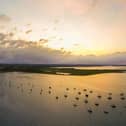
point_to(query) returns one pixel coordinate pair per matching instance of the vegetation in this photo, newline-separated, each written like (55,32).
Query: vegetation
(44,69)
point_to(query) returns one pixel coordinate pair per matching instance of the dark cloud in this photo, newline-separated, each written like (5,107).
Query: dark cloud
(28,31)
(6,41)
(2,36)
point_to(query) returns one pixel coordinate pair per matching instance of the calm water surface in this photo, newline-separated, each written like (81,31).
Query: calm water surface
(97,67)
(56,100)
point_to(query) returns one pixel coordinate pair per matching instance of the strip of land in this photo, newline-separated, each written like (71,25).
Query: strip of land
(54,70)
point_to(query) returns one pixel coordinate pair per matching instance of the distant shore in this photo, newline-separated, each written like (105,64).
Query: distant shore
(43,69)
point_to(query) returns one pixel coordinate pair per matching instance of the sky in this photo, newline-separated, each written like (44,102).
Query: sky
(63,31)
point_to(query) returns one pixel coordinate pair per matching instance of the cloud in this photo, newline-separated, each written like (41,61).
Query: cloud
(28,31)
(4,18)
(37,55)
(2,36)
(21,51)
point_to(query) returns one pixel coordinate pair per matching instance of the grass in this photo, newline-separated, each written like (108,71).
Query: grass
(54,70)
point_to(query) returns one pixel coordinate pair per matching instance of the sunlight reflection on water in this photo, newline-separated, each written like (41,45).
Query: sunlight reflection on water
(53,100)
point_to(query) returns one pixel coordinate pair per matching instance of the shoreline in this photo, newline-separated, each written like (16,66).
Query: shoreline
(56,71)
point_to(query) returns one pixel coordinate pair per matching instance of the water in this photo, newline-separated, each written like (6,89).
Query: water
(38,100)
(98,67)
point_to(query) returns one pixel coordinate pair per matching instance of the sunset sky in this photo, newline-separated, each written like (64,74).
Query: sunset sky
(74,31)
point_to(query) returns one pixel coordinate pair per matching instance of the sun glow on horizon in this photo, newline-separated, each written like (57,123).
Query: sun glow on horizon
(86,43)
(82,27)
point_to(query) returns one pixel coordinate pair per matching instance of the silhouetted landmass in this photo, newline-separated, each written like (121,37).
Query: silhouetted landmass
(52,69)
